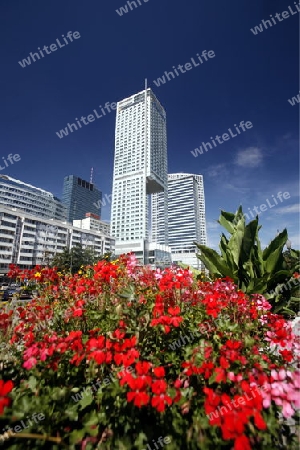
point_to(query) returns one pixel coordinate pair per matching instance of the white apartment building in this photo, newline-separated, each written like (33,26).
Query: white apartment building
(30,199)
(28,240)
(93,223)
(186,217)
(140,170)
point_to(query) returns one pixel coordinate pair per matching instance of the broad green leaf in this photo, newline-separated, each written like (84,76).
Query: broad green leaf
(277,243)
(250,236)
(226,223)
(213,261)
(235,242)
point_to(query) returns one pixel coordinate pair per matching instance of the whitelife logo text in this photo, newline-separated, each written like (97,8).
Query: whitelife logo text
(206,55)
(53,48)
(267,23)
(225,136)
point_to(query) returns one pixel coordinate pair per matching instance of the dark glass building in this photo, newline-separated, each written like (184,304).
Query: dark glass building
(80,197)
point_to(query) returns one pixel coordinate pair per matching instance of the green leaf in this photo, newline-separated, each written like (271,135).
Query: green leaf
(235,242)
(277,243)
(32,383)
(71,412)
(91,419)
(250,236)
(228,216)
(213,261)
(223,245)
(227,224)
(76,436)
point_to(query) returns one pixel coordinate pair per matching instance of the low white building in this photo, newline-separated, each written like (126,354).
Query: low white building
(93,223)
(28,240)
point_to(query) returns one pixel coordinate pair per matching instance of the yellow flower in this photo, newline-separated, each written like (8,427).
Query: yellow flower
(80,272)
(38,275)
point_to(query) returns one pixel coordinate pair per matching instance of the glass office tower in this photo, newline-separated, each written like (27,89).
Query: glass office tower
(80,197)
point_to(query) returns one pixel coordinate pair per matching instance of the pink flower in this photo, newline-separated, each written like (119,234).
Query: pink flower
(31,351)
(282,374)
(287,410)
(267,402)
(31,362)
(131,263)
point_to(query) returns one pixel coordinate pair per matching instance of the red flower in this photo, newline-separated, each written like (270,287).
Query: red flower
(96,343)
(224,363)
(221,375)
(159,372)
(99,356)
(73,335)
(130,357)
(287,355)
(160,401)
(259,421)
(5,388)
(213,399)
(142,368)
(125,377)
(233,425)
(118,334)
(176,321)
(139,398)
(242,443)
(76,359)
(174,311)
(159,387)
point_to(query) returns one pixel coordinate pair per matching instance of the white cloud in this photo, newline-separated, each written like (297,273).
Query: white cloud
(212,225)
(217,171)
(288,209)
(249,158)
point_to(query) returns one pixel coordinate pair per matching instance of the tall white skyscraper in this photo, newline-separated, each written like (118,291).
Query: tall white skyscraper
(186,216)
(140,170)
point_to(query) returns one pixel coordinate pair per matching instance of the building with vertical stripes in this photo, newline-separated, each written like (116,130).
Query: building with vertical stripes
(186,217)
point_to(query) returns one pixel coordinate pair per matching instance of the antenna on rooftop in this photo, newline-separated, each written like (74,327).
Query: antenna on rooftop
(91,177)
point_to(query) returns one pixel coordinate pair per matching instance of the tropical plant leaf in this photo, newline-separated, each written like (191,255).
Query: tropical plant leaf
(226,222)
(213,261)
(235,242)
(277,243)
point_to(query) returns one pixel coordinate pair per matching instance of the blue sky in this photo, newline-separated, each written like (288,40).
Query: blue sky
(250,78)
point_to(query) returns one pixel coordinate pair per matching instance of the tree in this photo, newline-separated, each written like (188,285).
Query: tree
(72,260)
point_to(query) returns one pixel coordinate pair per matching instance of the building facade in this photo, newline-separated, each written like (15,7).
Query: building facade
(186,217)
(80,197)
(30,199)
(28,240)
(140,170)
(93,223)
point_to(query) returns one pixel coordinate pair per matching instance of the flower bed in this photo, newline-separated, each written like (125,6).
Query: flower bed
(123,357)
